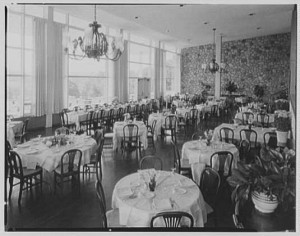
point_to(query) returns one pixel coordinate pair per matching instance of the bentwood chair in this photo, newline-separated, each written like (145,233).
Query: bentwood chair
(130,140)
(246,115)
(23,136)
(226,135)
(150,135)
(95,160)
(173,219)
(270,139)
(209,185)
(27,177)
(68,169)
(170,125)
(88,122)
(182,165)
(108,219)
(150,161)
(262,120)
(223,158)
(251,136)
(244,151)
(65,120)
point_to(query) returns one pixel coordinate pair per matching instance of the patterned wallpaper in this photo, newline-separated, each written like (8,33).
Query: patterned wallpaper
(262,60)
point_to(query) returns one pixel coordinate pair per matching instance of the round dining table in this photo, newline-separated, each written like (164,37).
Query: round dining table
(38,151)
(173,192)
(198,154)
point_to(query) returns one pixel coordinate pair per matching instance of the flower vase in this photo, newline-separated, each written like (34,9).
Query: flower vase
(281,137)
(152,184)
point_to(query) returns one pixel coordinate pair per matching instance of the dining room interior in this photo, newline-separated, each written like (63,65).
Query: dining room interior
(150,117)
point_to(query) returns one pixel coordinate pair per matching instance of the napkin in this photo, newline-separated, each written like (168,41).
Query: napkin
(124,192)
(163,204)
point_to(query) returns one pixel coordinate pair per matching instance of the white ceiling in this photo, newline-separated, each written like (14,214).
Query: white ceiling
(184,26)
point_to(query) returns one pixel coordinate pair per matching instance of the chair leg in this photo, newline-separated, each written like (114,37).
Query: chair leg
(61,185)
(11,182)
(20,192)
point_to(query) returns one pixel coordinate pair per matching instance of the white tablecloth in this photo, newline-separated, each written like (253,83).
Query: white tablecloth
(198,154)
(118,133)
(236,130)
(76,117)
(13,128)
(136,210)
(36,152)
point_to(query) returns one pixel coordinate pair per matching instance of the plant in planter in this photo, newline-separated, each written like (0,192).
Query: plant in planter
(231,87)
(259,92)
(269,181)
(282,104)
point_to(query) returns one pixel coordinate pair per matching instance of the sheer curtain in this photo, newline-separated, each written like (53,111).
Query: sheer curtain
(40,66)
(121,75)
(158,72)
(54,68)
(49,68)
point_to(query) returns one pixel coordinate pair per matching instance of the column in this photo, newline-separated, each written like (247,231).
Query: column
(218,60)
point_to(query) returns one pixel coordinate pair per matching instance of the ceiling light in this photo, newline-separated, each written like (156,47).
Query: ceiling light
(136,17)
(213,66)
(205,23)
(94,44)
(251,14)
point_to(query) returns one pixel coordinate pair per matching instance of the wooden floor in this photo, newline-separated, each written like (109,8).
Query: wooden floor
(73,212)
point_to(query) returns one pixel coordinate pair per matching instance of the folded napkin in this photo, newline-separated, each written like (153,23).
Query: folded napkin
(162,204)
(124,192)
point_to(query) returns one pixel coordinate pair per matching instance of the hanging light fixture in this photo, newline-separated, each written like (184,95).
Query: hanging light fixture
(213,66)
(95,45)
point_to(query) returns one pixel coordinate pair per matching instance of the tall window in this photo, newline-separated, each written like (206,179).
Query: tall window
(171,73)
(20,52)
(141,65)
(87,78)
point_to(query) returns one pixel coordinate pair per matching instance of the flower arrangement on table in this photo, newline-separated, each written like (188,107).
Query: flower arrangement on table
(57,139)
(282,120)
(208,135)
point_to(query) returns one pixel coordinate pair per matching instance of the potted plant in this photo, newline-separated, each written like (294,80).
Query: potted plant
(282,104)
(282,123)
(259,92)
(269,181)
(231,87)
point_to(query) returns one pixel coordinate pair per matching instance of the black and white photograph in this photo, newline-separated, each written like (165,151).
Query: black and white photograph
(158,116)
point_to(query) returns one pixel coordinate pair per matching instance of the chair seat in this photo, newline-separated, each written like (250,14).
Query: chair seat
(65,169)
(108,135)
(30,172)
(113,218)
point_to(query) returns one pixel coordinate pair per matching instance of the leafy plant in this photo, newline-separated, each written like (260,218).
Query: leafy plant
(282,121)
(231,87)
(282,104)
(274,176)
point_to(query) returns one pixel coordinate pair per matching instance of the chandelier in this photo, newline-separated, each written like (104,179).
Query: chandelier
(213,66)
(95,45)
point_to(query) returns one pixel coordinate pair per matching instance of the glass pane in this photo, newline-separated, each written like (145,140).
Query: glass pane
(14,62)
(88,67)
(170,47)
(28,62)
(139,39)
(28,32)
(14,31)
(139,53)
(34,10)
(170,59)
(74,21)
(18,8)
(59,17)
(133,86)
(82,91)
(14,96)
(28,94)
(139,70)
